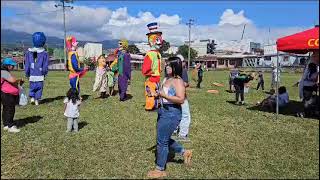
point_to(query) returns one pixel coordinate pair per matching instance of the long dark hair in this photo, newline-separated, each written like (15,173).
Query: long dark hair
(176,65)
(312,68)
(73,95)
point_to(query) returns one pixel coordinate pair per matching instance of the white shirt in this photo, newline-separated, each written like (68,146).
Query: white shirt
(72,110)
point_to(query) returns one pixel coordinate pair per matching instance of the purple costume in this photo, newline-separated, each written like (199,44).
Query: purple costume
(124,69)
(36,66)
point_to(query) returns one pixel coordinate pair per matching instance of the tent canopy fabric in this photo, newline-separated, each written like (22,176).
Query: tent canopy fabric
(301,42)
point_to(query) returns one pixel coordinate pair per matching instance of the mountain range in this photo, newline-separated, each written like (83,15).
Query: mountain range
(11,38)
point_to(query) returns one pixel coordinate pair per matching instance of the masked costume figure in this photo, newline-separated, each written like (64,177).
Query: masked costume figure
(151,67)
(122,65)
(73,63)
(36,66)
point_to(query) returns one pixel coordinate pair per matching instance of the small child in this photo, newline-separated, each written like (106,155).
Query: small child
(260,80)
(71,109)
(110,79)
(233,74)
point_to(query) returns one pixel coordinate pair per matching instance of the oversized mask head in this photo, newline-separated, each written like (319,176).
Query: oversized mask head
(154,37)
(38,39)
(123,44)
(71,43)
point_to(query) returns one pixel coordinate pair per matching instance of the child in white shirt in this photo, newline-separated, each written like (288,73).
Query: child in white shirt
(71,109)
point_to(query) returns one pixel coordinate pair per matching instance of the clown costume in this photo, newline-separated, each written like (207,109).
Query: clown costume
(151,67)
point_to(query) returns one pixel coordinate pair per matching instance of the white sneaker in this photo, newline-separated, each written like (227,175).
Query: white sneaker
(13,129)
(6,128)
(32,100)
(36,102)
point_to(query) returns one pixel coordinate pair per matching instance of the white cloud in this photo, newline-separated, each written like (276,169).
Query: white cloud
(97,24)
(229,17)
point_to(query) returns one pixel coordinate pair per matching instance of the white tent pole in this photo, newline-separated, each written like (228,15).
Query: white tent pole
(277,85)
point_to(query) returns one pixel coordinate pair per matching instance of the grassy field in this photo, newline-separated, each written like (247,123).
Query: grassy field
(116,138)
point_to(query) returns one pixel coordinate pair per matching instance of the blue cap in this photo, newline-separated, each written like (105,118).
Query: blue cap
(9,61)
(38,39)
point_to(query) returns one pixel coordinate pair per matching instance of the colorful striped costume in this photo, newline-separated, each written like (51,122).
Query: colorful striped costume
(73,64)
(151,68)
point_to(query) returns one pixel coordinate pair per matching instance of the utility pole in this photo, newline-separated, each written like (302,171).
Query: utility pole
(190,23)
(64,25)
(244,27)
(23,54)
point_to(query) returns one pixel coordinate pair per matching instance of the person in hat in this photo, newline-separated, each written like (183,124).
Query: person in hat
(36,66)
(9,94)
(73,63)
(151,67)
(123,67)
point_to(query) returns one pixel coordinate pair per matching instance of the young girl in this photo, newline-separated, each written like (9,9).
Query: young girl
(110,79)
(71,109)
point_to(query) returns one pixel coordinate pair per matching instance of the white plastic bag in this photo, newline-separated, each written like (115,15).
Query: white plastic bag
(23,98)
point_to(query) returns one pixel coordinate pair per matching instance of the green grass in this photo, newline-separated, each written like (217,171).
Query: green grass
(228,141)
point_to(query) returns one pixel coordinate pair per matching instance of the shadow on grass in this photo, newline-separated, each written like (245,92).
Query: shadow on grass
(49,100)
(27,120)
(291,109)
(170,158)
(82,124)
(129,96)
(230,91)
(115,92)
(85,97)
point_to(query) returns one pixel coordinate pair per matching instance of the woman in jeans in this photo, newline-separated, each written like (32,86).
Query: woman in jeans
(169,117)
(9,94)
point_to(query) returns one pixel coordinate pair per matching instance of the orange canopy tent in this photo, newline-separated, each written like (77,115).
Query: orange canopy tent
(300,43)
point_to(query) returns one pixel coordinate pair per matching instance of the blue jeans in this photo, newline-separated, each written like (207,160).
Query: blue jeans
(185,120)
(169,118)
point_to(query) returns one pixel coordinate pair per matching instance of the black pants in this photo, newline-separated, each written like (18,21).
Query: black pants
(239,92)
(261,83)
(199,81)
(309,100)
(8,102)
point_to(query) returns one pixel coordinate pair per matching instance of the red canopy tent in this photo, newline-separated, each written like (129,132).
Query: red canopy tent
(299,43)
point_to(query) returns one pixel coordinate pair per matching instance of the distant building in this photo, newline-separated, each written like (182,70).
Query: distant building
(200,46)
(92,50)
(285,59)
(81,54)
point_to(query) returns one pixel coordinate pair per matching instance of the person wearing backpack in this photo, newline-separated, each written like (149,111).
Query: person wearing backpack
(9,94)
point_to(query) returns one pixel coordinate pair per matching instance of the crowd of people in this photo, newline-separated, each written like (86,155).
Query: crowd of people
(168,97)
(308,88)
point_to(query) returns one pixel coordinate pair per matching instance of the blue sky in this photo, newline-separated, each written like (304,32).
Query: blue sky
(96,20)
(263,13)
